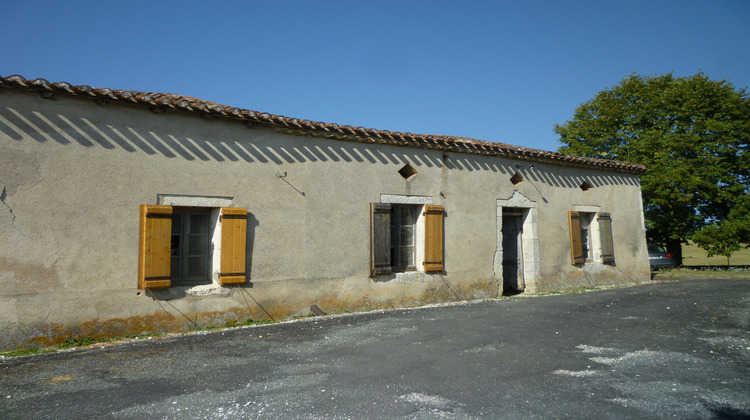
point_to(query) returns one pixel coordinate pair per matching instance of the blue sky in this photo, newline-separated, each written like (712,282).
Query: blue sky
(491,70)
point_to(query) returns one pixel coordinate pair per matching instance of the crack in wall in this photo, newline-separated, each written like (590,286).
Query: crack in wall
(3,195)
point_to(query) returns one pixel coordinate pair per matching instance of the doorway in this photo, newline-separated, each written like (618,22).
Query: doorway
(512,249)
(522,270)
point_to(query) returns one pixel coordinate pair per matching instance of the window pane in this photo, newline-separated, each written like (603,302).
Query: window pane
(197,245)
(197,223)
(407,235)
(176,223)
(175,271)
(196,266)
(402,235)
(585,240)
(408,215)
(175,245)
(190,245)
(407,256)
(176,232)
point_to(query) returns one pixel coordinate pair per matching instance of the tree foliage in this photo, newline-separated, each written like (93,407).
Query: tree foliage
(727,236)
(692,133)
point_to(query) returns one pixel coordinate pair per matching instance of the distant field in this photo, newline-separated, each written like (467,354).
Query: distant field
(694,255)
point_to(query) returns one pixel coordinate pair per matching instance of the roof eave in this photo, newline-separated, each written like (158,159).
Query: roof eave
(298,126)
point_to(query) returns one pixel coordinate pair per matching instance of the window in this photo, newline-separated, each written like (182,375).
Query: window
(589,241)
(394,231)
(176,244)
(403,240)
(190,245)
(586,245)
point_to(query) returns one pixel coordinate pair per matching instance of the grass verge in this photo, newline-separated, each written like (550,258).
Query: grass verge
(691,273)
(694,255)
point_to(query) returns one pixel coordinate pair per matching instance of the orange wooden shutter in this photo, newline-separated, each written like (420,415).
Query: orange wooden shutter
(233,243)
(154,256)
(433,243)
(576,248)
(380,238)
(605,233)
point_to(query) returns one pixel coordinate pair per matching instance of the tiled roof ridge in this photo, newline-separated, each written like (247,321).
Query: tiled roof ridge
(319,129)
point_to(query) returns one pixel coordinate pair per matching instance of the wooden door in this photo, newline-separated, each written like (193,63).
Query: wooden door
(513,281)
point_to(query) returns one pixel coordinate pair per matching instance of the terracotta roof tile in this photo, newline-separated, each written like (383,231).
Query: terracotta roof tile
(315,128)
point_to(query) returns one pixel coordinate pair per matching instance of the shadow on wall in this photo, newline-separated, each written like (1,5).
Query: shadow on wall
(153,141)
(252,225)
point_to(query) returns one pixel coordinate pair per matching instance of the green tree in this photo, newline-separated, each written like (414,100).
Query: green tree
(718,239)
(692,133)
(729,235)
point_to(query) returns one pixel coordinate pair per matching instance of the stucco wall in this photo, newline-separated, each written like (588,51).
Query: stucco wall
(73,174)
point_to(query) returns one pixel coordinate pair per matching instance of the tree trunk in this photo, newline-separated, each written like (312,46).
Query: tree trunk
(674,247)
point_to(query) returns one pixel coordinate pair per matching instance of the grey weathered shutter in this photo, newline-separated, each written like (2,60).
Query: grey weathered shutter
(605,233)
(380,238)
(576,248)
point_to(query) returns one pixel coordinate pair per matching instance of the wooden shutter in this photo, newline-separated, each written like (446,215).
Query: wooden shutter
(576,248)
(605,233)
(433,243)
(233,243)
(380,238)
(154,256)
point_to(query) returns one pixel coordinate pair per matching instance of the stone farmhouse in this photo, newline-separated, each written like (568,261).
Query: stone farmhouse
(125,212)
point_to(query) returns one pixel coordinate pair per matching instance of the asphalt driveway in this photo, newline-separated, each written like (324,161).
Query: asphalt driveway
(664,350)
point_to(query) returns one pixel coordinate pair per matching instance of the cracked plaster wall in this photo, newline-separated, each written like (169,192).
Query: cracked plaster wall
(73,173)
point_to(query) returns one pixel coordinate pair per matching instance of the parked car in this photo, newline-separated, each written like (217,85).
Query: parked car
(659,258)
